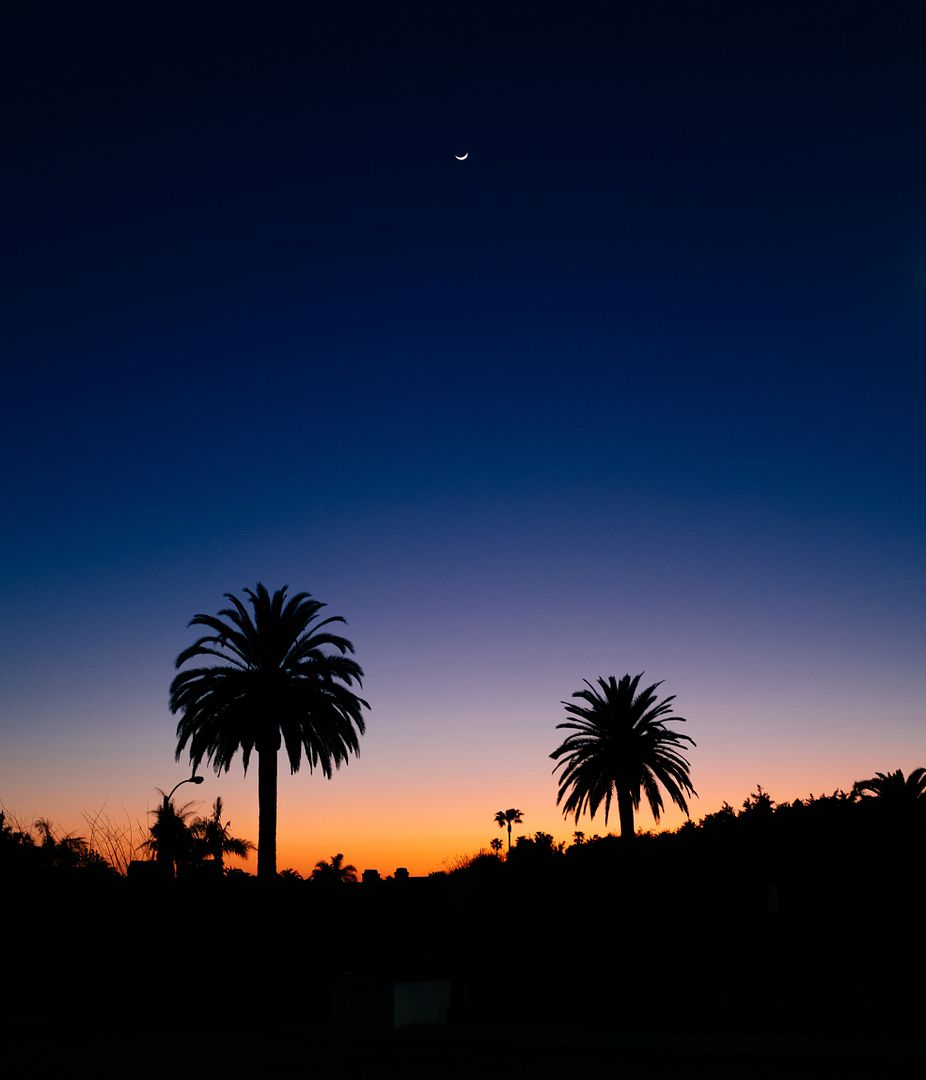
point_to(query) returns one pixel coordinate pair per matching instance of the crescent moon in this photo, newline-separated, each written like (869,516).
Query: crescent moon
(462,157)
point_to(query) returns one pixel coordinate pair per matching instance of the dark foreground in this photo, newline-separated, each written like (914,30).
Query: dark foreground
(446,1052)
(766,944)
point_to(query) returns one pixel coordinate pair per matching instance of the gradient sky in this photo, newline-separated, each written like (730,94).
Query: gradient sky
(637,387)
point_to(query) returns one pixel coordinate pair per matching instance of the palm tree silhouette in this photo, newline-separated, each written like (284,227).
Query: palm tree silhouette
(496,845)
(509,817)
(335,871)
(276,686)
(170,840)
(212,837)
(891,788)
(68,852)
(620,746)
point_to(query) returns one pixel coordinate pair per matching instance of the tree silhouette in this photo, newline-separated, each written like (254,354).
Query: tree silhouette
(509,817)
(212,837)
(14,834)
(68,852)
(52,854)
(543,841)
(276,686)
(620,746)
(170,840)
(892,788)
(496,845)
(335,871)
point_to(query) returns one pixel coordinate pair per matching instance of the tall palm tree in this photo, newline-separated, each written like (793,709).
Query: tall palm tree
(509,817)
(213,838)
(334,871)
(892,788)
(276,685)
(620,746)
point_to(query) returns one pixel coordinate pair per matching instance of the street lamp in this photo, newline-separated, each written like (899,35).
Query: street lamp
(189,780)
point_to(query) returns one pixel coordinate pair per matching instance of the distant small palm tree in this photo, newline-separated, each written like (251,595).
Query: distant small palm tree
(892,788)
(213,839)
(68,843)
(335,871)
(170,840)
(509,817)
(66,852)
(289,874)
(620,746)
(46,833)
(496,845)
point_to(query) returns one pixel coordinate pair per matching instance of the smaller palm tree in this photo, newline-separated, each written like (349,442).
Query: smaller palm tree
(334,871)
(170,841)
(892,788)
(68,852)
(212,838)
(509,817)
(620,746)
(496,845)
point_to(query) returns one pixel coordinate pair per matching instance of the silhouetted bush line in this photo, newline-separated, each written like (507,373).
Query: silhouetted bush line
(45,856)
(800,917)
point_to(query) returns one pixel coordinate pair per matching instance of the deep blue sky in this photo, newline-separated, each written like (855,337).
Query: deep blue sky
(638,385)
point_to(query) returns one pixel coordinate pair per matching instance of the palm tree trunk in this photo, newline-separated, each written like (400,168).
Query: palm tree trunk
(625,809)
(509,836)
(267,814)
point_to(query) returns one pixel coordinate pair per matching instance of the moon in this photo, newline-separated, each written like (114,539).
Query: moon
(462,157)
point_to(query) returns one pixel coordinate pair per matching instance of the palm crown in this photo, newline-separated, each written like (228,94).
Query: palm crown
(334,871)
(620,745)
(894,788)
(509,817)
(284,680)
(169,839)
(213,836)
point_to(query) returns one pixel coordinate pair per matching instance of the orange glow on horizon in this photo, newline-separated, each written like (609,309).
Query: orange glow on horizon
(396,809)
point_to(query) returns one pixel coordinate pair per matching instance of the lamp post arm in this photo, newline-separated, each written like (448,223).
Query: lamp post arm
(189,780)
